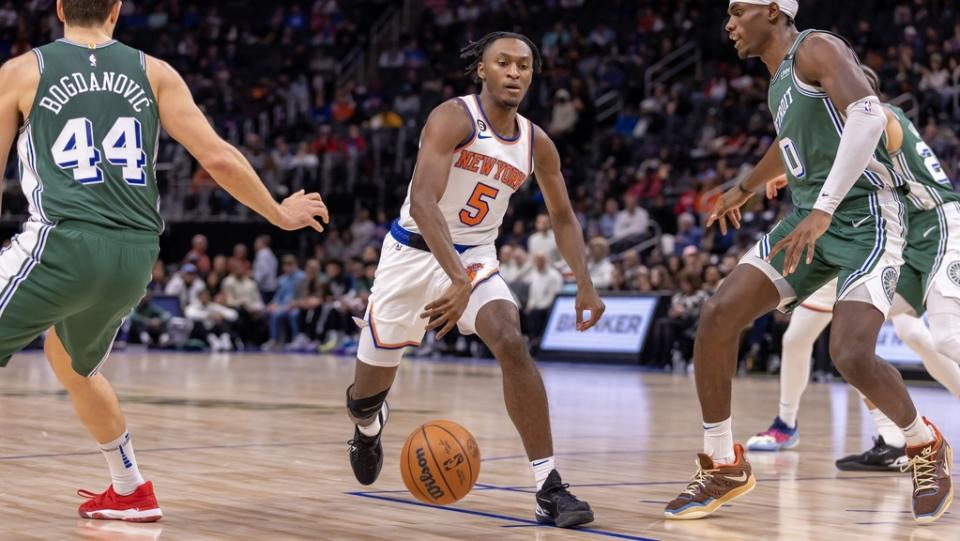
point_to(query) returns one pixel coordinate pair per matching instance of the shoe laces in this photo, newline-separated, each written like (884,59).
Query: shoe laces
(699,481)
(360,443)
(924,470)
(564,495)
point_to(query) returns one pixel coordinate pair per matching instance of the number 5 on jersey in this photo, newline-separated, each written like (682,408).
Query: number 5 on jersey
(478,206)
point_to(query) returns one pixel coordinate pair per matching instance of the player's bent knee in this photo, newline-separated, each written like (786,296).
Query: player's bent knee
(946,342)
(712,315)
(61,363)
(794,338)
(850,358)
(909,329)
(510,347)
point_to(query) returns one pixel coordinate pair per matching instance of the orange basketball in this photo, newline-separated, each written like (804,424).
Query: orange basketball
(440,462)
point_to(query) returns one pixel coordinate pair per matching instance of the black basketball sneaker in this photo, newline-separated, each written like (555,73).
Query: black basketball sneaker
(556,506)
(881,457)
(366,452)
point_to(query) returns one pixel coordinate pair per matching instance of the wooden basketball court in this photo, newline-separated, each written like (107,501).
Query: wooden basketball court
(254,447)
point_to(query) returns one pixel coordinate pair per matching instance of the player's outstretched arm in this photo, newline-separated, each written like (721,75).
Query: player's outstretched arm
(569,233)
(447,126)
(184,121)
(19,78)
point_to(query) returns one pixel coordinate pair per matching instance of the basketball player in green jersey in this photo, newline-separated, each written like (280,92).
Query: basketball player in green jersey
(933,243)
(88,111)
(848,223)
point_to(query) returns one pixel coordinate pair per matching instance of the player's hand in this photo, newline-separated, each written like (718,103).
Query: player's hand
(445,312)
(728,208)
(299,211)
(775,185)
(588,299)
(804,236)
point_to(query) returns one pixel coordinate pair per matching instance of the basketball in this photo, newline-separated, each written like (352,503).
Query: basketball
(440,462)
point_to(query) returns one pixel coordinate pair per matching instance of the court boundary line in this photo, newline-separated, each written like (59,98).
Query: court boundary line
(507,518)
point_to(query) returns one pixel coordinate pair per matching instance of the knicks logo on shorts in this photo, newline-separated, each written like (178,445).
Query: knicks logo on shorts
(889,280)
(953,272)
(473,269)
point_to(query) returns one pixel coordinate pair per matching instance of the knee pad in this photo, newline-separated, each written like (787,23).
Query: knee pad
(363,410)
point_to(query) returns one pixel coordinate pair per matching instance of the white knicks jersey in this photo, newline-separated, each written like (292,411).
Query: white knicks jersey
(486,170)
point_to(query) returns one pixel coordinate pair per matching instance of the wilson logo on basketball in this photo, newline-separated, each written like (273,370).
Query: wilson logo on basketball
(426,476)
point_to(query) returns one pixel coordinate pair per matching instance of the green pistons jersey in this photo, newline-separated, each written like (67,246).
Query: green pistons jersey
(929,184)
(88,148)
(809,127)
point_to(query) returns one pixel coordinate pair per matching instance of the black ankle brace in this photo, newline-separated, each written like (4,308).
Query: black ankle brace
(363,410)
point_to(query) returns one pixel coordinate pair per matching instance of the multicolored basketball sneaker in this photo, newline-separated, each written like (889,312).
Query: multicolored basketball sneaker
(932,484)
(139,506)
(712,486)
(777,438)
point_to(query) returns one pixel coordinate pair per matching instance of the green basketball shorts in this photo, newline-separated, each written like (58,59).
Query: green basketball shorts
(863,247)
(81,278)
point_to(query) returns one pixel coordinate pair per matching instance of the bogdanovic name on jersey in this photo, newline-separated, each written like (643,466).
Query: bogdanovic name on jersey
(59,94)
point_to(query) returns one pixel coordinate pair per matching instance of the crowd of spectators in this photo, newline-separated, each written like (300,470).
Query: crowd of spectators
(642,161)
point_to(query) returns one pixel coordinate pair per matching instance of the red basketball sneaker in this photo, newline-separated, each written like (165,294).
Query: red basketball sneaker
(139,506)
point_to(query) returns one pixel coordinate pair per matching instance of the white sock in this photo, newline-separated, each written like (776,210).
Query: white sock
(542,469)
(373,428)
(718,441)
(918,433)
(123,464)
(891,433)
(788,414)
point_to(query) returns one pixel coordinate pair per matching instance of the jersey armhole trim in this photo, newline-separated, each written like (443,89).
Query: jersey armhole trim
(806,89)
(473,126)
(39,56)
(143,61)
(533,131)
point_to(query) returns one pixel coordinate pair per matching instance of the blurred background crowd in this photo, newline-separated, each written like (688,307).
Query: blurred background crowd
(330,95)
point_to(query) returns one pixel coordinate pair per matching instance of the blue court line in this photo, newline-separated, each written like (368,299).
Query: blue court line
(530,490)
(517,520)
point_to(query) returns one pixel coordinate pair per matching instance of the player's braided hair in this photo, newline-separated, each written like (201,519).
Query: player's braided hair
(475,49)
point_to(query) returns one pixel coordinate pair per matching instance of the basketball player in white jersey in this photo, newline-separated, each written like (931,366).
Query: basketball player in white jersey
(438,267)
(812,317)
